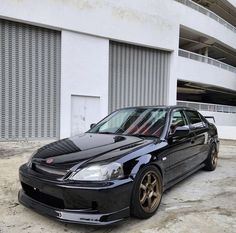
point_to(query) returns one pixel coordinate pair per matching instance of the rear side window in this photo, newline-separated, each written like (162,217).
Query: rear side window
(195,120)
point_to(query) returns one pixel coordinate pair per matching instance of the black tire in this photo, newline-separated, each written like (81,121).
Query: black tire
(211,161)
(151,197)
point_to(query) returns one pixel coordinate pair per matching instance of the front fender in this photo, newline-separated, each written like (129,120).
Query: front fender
(140,163)
(143,161)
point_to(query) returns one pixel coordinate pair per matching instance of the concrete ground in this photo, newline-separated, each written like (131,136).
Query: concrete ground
(204,202)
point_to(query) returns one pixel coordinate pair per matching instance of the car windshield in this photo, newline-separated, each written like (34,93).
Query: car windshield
(133,121)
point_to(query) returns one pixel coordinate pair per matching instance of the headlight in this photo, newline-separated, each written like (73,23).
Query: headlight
(109,171)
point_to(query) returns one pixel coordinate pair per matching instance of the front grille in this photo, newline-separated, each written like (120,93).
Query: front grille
(57,172)
(43,197)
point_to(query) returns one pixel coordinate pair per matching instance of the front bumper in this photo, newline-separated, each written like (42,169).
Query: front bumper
(97,205)
(73,216)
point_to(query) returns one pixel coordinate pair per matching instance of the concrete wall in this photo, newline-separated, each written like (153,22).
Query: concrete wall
(225,123)
(140,22)
(200,72)
(233,2)
(84,62)
(88,25)
(221,118)
(227,132)
(194,20)
(84,71)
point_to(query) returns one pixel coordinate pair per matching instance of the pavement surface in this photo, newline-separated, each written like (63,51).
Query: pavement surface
(204,202)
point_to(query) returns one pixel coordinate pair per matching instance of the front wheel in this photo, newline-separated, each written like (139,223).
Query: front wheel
(147,192)
(211,161)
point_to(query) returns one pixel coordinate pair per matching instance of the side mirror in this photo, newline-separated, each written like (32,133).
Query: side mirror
(180,131)
(92,125)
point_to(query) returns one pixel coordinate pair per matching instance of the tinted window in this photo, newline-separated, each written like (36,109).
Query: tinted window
(133,121)
(194,120)
(177,119)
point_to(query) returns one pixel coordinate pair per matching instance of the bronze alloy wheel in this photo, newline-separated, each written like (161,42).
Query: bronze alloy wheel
(150,192)
(211,161)
(214,157)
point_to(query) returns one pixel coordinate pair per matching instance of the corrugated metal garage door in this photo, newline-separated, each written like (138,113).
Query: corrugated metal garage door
(29,81)
(137,76)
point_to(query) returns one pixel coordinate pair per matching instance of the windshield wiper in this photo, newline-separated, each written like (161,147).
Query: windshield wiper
(143,135)
(106,132)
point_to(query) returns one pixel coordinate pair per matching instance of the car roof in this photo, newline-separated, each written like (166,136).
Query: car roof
(169,107)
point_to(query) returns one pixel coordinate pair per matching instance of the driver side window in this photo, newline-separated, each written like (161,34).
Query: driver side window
(177,120)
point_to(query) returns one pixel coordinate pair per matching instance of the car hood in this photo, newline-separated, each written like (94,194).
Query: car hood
(87,147)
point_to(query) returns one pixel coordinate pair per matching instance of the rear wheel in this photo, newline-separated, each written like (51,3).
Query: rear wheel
(212,159)
(147,192)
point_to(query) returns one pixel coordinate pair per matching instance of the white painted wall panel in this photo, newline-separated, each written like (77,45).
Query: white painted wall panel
(227,132)
(200,72)
(137,21)
(225,123)
(222,119)
(84,71)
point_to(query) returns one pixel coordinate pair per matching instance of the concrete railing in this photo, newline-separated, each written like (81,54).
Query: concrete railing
(207,12)
(208,60)
(208,107)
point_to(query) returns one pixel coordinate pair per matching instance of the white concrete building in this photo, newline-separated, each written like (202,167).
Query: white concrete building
(67,64)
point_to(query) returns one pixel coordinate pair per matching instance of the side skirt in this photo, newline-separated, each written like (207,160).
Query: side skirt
(173,182)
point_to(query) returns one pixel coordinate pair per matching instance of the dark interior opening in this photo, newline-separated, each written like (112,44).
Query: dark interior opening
(196,92)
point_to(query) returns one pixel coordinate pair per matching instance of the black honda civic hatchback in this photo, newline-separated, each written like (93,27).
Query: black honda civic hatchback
(120,167)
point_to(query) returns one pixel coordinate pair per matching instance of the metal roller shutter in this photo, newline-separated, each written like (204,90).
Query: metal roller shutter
(137,76)
(29,81)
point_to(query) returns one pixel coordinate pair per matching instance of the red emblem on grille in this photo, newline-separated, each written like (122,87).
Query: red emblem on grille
(49,160)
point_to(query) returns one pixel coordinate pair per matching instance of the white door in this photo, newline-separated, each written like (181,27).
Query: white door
(85,110)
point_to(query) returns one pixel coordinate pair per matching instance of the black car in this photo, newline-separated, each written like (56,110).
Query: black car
(120,167)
